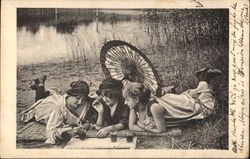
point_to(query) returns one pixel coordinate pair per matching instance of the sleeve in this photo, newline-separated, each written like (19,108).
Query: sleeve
(92,115)
(54,127)
(106,115)
(29,113)
(124,117)
(43,108)
(207,102)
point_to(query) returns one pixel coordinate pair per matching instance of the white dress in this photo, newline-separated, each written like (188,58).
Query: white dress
(180,108)
(53,112)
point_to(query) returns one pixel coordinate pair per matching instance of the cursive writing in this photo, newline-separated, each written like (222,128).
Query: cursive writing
(238,22)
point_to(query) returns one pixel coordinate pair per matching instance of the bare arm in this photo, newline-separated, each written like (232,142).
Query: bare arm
(103,132)
(106,130)
(99,108)
(133,121)
(152,130)
(118,126)
(132,126)
(99,121)
(158,116)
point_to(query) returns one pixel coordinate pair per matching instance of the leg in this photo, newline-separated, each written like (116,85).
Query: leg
(204,75)
(38,86)
(41,93)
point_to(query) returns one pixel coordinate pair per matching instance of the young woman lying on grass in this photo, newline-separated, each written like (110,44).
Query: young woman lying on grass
(61,112)
(155,114)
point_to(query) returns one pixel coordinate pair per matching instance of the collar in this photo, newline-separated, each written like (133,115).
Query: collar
(112,109)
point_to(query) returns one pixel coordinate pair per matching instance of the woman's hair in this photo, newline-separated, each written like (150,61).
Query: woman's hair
(135,90)
(112,94)
(111,88)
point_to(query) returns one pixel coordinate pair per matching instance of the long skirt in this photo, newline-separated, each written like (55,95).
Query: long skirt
(192,104)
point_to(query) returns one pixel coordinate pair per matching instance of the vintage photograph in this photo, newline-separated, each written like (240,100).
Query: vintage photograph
(99,78)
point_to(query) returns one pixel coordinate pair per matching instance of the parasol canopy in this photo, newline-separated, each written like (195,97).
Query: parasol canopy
(121,60)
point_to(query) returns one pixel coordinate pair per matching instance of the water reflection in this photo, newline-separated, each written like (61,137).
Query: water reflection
(66,27)
(44,45)
(70,34)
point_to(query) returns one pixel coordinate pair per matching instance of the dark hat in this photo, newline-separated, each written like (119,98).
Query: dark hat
(78,88)
(207,74)
(110,84)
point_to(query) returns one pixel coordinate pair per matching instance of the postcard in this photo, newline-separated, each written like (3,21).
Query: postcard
(140,79)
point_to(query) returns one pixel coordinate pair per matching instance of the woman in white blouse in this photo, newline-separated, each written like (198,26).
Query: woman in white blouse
(62,112)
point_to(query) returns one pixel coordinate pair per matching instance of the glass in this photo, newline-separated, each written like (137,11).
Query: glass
(113,135)
(81,133)
(129,136)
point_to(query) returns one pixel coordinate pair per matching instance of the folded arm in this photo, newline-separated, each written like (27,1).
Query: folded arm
(133,121)
(158,112)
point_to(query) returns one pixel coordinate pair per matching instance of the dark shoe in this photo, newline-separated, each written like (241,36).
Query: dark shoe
(42,79)
(37,82)
(34,84)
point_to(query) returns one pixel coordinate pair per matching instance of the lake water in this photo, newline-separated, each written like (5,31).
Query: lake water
(66,37)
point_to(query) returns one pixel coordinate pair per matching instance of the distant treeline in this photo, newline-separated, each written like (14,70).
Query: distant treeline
(53,16)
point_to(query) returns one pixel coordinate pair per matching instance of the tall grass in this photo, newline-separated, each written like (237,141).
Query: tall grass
(185,41)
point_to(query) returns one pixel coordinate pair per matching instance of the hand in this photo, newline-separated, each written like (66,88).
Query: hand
(85,127)
(57,137)
(67,135)
(64,137)
(140,124)
(103,132)
(132,107)
(97,105)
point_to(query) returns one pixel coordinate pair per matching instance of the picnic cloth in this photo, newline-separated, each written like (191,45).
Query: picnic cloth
(35,131)
(100,143)
(32,131)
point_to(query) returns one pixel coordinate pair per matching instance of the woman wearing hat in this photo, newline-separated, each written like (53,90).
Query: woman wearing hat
(112,113)
(62,112)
